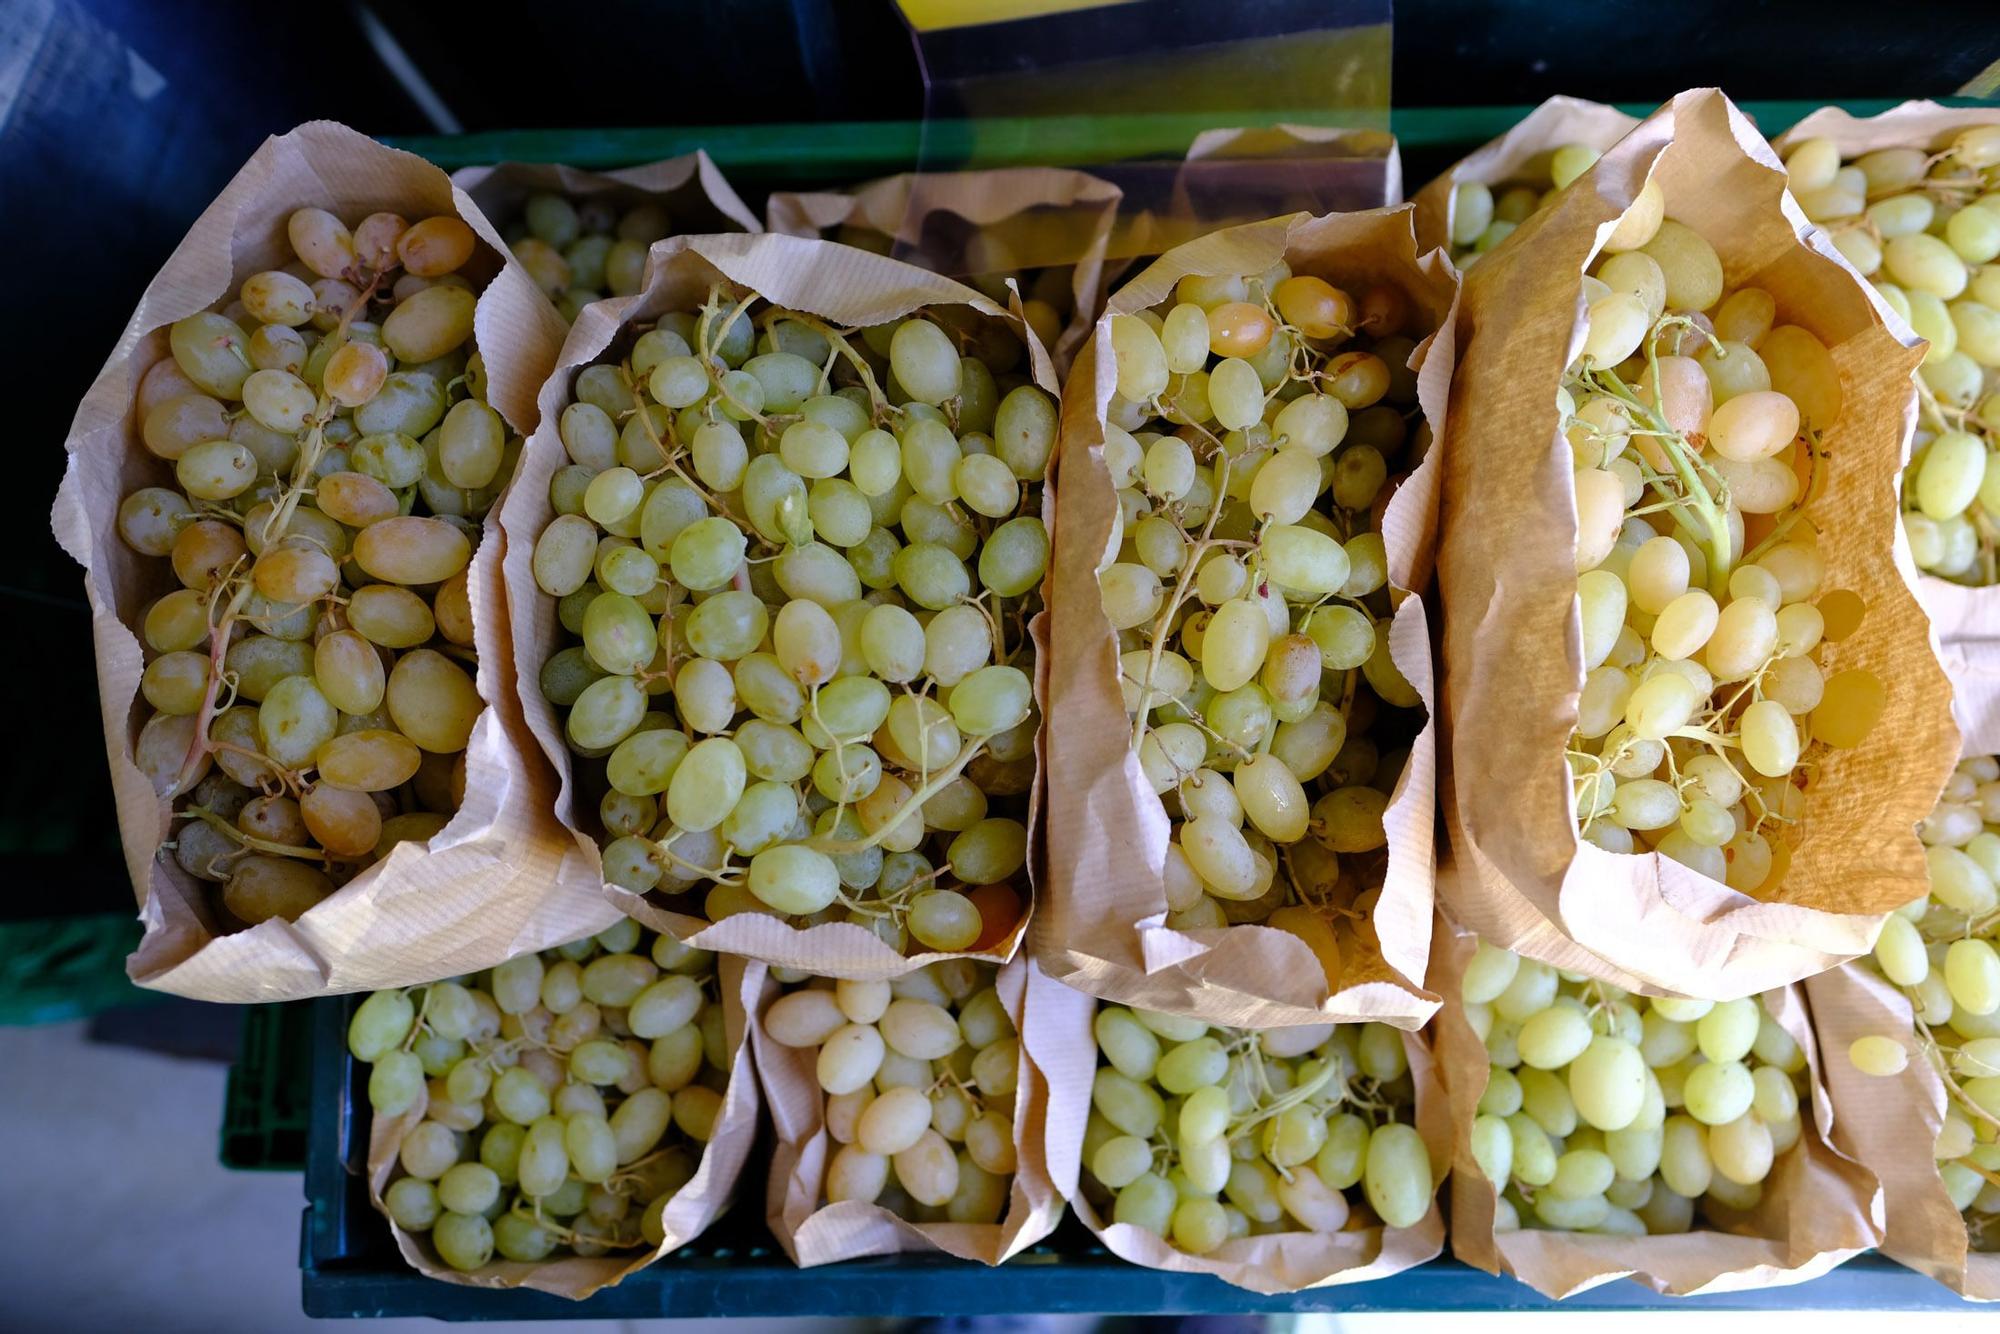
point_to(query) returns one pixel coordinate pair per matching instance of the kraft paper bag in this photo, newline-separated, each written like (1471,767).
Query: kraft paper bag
(1051,1104)
(1512,663)
(1967,619)
(490,885)
(848,287)
(745,986)
(1889,1126)
(1101,926)
(1819,1208)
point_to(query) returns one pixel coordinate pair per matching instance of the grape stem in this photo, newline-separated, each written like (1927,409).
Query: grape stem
(199,745)
(276,524)
(1935,1049)
(881,409)
(570,1236)
(249,842)
(1164,622)
(672,458)
(934,784)
(1696,508)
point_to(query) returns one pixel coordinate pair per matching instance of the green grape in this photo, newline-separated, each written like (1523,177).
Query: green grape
(1130,1046)
(794,879)
(463,1241)
(1397,1177)
(380,1024)
(412,1204)
(396,1083)
(943,920)
(1147,1201)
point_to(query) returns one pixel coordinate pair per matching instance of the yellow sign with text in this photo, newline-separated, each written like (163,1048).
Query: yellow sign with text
(933,15)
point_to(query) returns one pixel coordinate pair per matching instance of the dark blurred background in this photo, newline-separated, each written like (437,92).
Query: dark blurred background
(121,119)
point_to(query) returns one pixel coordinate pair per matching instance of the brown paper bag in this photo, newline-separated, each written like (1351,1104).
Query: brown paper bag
(1556,122)
(1291,1261)
(1102,925)
(745,987)
(1889,1125)
(1820,1208)
(1051,1103)
(488,886)
(1519,874)
(1967,620)
(847,286)
(1044,215)
(691,187)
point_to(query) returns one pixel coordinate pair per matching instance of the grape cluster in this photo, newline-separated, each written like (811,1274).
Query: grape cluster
(1480,220)
(920,1076)
(311,679)
(1925,228)
(823,552)
(1942,951)
(564,1096)
(1202,1135)
(1256,425)
(580,251)
(1597,1117)
(1693,417)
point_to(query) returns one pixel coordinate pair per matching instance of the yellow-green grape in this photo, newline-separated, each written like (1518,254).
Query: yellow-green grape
(1258,1122)
(583,1105)
(1675,438)
(1257,421)
(1929,240)
(876,1046)
(728,590)
(317,411)
(1687,1099)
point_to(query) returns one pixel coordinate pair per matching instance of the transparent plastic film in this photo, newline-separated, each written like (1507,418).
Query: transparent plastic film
(1201,116)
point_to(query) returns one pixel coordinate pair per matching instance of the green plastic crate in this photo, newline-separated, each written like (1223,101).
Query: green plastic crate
(267,1104)
(802,156)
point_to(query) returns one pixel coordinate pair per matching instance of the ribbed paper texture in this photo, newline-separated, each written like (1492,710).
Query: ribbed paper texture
(846,286)
(1517,873)
(896,208)
(1820,1208)
(745,988)
(1890,1125)
(1967,620)
(1051,1104)
(490,885)
(1102,925)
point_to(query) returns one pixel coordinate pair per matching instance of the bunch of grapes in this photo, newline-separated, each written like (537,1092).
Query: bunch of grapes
(1925,227)
(1480,220)
(1256,425)
(920,1076)
(1202,1135)
(1597,1117)
(580,251)
(311,678)
(1942,951)
(820,550)
(1693,416)
(564,1096)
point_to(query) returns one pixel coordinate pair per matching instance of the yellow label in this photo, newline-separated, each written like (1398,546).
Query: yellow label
(931,15)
